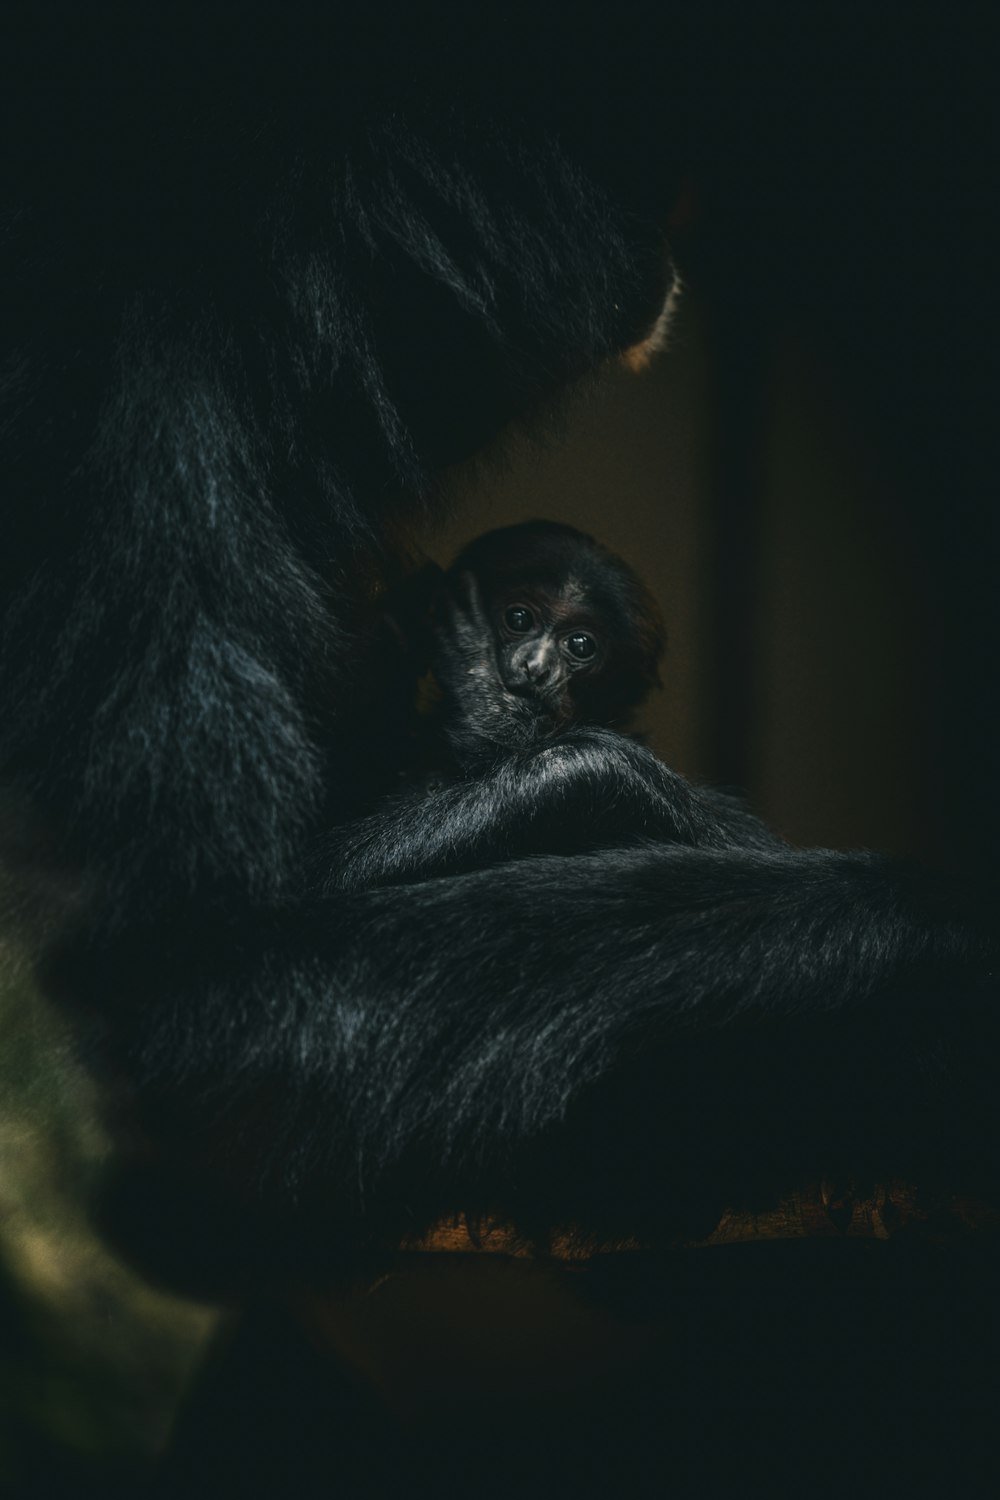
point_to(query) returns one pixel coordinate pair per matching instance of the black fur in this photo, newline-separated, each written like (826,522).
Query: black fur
(240,354)
(262,284)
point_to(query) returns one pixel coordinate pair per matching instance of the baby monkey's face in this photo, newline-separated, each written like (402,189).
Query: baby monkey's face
(550,643)
(556,619)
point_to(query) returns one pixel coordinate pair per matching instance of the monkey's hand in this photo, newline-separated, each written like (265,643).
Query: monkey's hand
(484,720)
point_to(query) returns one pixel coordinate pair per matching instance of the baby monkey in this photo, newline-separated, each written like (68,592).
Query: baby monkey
(539,644)
(532,629)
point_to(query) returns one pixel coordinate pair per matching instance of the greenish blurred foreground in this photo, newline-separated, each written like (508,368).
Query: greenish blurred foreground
(93,1362)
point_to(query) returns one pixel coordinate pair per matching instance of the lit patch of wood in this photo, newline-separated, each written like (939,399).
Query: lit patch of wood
(818,1212)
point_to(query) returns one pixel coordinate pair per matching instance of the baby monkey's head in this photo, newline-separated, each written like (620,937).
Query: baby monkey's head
(573,626)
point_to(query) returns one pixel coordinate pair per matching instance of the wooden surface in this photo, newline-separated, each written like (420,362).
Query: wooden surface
(473,1317)
(823,1210)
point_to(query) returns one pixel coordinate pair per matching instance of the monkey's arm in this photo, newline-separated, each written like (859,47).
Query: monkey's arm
(588,789)
(702,1029)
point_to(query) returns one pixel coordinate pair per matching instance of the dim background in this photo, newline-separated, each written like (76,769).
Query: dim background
(805,479)
(791,672)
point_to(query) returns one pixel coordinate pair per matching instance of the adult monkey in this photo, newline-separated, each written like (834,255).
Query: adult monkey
(237,363)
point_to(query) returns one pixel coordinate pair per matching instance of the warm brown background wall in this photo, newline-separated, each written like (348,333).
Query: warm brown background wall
(803,684)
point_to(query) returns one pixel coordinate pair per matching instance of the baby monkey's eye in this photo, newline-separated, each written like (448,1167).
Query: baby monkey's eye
(581,645)
(519,619)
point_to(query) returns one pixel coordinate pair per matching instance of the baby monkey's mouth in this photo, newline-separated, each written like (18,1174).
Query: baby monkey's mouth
(554,707)
(546,694)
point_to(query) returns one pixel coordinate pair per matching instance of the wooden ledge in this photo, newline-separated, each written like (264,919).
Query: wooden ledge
(823,1210)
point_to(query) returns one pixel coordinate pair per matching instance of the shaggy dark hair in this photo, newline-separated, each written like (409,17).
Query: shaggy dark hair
(244,338)
(242,347)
